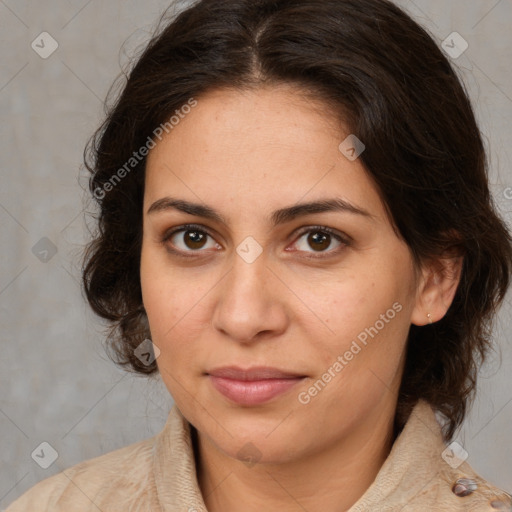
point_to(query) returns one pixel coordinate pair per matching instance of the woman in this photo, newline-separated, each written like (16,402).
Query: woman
(296,232)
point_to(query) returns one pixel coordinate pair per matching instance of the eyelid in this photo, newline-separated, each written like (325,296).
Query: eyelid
(343,238)
(185,227)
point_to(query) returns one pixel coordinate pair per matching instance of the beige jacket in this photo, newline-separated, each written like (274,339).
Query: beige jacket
(158,475)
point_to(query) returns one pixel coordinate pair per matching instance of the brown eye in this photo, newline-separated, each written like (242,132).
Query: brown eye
(194,239)
(189,239)
(321,240)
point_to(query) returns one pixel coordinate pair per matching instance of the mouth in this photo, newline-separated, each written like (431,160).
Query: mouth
(253,386)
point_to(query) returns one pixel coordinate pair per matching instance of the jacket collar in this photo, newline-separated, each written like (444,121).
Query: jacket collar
(413,462)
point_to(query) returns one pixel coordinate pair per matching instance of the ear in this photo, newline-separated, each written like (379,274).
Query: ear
(437,286)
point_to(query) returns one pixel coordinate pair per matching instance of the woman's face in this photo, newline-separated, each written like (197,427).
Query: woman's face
(321,300)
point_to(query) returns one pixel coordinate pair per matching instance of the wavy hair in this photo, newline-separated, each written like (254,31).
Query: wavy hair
(384,77)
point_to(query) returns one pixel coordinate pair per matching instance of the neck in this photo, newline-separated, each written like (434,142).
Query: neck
(331,480)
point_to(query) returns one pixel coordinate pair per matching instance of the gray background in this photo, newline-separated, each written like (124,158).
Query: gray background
(57,384)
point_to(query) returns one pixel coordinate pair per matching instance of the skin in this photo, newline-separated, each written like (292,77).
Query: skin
(247,154)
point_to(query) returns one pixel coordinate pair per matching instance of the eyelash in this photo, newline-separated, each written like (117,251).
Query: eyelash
(344,240)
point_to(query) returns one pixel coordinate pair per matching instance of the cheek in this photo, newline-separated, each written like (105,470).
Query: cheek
(368,313)
(356,302)
(170,305)
(167,306)
(363,357)
(175,303)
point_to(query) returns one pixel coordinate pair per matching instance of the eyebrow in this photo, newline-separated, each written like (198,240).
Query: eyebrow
(280,216)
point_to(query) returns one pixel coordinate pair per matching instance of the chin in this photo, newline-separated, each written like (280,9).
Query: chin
(253,438)
(251,451)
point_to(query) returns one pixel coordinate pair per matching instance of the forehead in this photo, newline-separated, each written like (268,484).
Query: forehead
(256,148)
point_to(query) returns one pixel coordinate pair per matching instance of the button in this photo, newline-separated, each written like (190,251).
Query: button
(501,505)
(464,487)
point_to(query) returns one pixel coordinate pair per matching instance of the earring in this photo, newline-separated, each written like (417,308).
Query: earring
(429,316)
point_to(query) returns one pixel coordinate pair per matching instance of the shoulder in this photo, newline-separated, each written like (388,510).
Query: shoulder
(463,491)
(422,473)
(443,489)
(446,480)
(449,482)
(127,472)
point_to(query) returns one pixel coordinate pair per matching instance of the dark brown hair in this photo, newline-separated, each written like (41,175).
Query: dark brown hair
(397,92)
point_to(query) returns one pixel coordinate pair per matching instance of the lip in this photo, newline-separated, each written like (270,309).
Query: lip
(252,386)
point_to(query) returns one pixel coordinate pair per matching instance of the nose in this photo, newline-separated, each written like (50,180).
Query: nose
(250,302)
